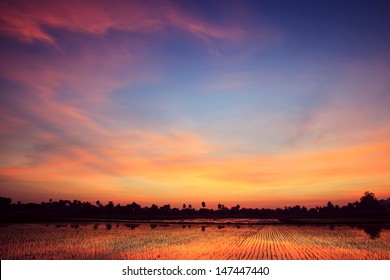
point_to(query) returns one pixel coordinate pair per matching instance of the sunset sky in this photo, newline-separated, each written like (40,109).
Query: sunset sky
(261,103)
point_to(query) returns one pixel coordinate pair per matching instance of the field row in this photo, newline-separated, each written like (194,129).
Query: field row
(270,242)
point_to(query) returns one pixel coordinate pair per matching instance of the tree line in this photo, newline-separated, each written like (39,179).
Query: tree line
(368,205)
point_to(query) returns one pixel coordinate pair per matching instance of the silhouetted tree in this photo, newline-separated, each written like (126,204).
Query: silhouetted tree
(110,205)
(5,202)
(368,199)
(166,207)
(369,203)
(133,207)
(330,205)
(235,208)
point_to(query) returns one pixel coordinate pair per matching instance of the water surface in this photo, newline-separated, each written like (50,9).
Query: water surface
(154,240)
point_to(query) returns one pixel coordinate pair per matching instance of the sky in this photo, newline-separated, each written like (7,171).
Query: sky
(260,103)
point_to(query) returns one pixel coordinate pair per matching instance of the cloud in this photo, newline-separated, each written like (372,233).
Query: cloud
(30,20)
(89,120)
(355,111)
(99,68)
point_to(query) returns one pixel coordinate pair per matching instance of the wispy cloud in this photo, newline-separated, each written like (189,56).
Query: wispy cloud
(134,104)
(30,20)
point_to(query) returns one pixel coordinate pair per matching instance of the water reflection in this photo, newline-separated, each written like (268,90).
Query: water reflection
(373,231)
(60,226)
(186,226)
(337,241)
(132,226)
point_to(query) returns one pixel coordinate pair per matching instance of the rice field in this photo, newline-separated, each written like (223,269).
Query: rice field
(164,241)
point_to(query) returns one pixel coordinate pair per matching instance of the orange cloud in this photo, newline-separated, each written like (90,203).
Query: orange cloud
(180,166)
(59,135)
(69,150)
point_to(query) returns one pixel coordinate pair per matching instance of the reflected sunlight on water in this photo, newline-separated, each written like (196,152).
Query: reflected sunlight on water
(192,241)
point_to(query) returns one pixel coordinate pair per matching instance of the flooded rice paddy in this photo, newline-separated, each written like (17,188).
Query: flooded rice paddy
(152,241)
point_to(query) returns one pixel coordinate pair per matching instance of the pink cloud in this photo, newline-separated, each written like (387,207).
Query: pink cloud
(27,20)
(202,29)
(89,72)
